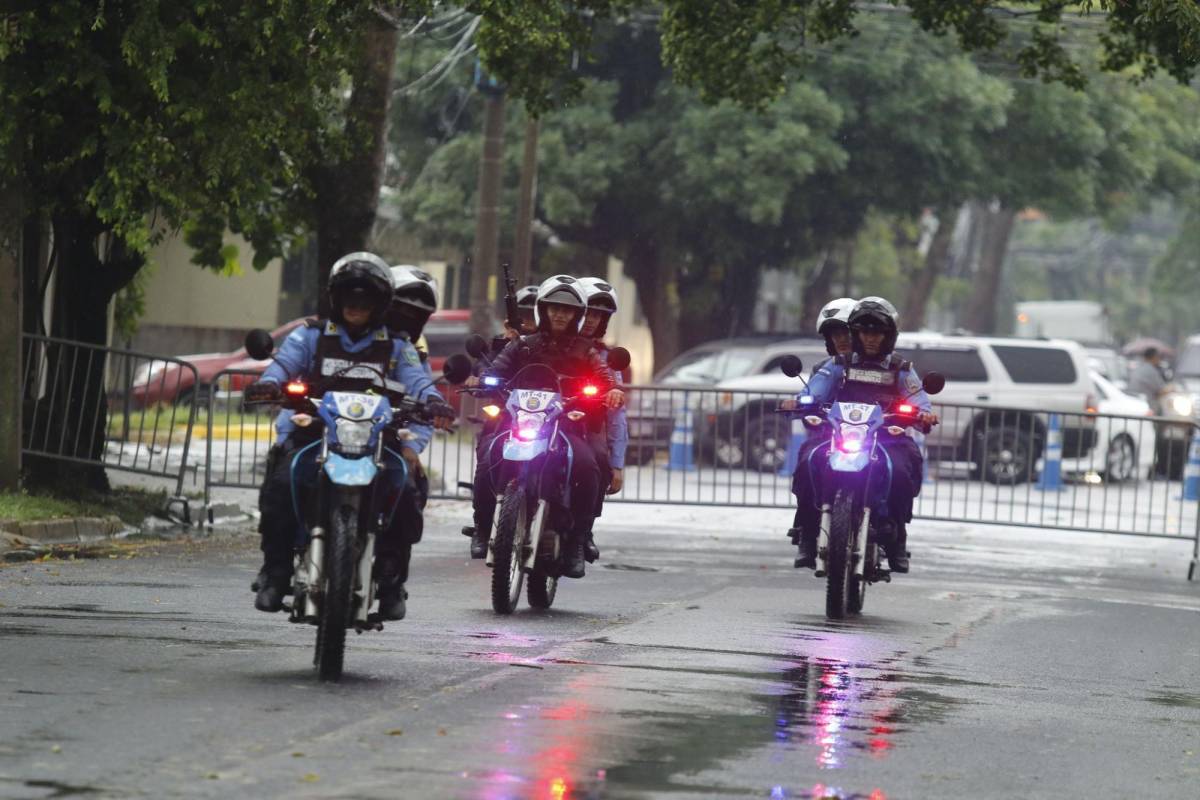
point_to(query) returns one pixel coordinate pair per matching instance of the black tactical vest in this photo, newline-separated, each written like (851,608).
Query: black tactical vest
(871,381)
(332,358)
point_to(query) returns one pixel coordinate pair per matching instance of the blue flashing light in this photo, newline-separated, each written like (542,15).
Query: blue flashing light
(491,381)
(806,400)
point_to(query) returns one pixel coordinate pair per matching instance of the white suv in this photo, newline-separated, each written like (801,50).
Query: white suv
(1012,383)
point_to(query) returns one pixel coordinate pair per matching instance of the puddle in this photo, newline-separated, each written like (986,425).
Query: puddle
(55,789)
(1175,699)
(630,567)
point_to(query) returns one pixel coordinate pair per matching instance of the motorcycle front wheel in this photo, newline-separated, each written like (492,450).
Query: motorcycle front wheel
(541,590)
(512,532)
(838,561)
(337,599)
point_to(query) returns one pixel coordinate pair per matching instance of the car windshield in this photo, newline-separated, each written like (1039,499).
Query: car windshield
(709,366)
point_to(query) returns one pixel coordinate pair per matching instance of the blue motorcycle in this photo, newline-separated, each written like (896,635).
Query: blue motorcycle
(854,478)
(346,486)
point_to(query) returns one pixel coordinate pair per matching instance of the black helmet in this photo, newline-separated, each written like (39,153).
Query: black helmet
(363,276)
(875,313)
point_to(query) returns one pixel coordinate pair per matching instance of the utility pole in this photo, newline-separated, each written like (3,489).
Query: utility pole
(484,264)
(10,340)
(528,200)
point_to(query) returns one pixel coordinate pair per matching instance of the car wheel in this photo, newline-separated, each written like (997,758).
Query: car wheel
(639,455)
(728,452)
(767,443)
(1007,456)
(1120,464)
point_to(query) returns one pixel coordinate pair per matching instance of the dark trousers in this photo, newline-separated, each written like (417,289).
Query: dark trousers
(907,471)
(584,480)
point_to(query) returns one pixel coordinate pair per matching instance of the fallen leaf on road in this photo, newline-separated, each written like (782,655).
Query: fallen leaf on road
(56,749)
(395,732)
(441,731)
(311,777)
(297,755)
(212,776)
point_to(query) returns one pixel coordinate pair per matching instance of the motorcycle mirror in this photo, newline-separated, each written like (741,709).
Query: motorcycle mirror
(619,359)
(457,369)
(791,366)
(477,346)
(934,382)
(259,344)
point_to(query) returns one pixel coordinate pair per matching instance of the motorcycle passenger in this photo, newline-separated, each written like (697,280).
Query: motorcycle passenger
(360,291)
(559,314)
(833,326)
(609,437)
(483,499)
(873,328)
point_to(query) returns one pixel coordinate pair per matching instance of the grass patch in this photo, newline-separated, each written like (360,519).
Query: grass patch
(131,505)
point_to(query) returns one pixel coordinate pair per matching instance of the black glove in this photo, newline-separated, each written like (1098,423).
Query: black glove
(262,392)
(436,408)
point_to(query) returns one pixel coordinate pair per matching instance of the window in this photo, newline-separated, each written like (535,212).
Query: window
(1036,364)
(810,358)
(959,364)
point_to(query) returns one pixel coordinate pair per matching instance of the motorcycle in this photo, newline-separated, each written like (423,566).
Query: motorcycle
(353,472)
(854,478)
(530,535)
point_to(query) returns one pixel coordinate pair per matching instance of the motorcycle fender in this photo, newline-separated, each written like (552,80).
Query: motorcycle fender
(516,450)
(848,462)
(350,471)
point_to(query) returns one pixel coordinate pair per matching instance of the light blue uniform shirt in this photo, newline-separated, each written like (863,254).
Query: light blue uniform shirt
(296,360)
(828,379)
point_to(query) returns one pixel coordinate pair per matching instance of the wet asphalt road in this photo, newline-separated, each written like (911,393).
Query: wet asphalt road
(691,664)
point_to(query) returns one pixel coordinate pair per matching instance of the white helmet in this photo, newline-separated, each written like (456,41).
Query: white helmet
(599,293)
(560,290)
(414,299)
(834,313)
(527,297)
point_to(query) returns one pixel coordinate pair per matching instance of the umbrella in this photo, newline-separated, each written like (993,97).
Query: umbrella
(1140,345)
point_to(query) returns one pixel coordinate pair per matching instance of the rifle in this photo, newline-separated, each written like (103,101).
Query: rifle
(510,299)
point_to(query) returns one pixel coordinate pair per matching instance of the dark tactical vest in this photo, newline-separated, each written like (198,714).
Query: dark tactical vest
(871,381)
(332,358)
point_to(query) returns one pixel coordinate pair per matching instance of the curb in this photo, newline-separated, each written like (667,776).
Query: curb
(25,541)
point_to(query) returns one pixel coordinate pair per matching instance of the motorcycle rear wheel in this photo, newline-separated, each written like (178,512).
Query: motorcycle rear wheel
(541,589)
(337,599)
(512,532)
(837,584)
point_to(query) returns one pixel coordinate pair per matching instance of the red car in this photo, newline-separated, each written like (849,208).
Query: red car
(166,382)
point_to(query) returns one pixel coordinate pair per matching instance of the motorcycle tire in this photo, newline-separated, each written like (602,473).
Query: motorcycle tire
(512,532)
(541,589)
(337,599)
(840,568)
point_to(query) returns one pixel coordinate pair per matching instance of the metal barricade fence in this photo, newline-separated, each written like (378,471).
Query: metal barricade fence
(984,464)
(103,406)
(236,439)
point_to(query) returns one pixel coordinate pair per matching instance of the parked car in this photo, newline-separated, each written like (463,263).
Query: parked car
(166,382)
(652,413)
(1124,441)
(1021,379)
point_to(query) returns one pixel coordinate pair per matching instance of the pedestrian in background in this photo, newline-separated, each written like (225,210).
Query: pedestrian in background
(1149,379)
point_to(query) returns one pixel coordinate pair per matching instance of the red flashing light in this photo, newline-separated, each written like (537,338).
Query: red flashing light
(905,408)
(297,388)
(590,391)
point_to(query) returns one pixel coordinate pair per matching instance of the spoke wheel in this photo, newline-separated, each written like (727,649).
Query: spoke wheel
(512,531)
(337,599)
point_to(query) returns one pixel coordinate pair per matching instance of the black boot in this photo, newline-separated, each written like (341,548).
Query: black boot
(271,586)
(573,559)
(806,558)
(590,551)
(479,540)
(392,595)
(898,552)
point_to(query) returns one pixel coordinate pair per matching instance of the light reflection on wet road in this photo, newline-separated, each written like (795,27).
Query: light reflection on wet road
(707,672)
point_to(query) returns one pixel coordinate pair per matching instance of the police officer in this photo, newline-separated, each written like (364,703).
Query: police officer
(559,314)
(873,328)
(360,291)
(609,436)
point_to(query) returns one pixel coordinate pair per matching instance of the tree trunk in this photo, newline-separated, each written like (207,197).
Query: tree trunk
(10,340)
(72,416)
(348,192)
(484,264)
(919,291)
(658,291)
(980,316)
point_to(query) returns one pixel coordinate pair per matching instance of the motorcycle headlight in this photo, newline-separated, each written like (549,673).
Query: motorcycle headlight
(1182,405)
(853,438)
(353,435)
(529,425)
